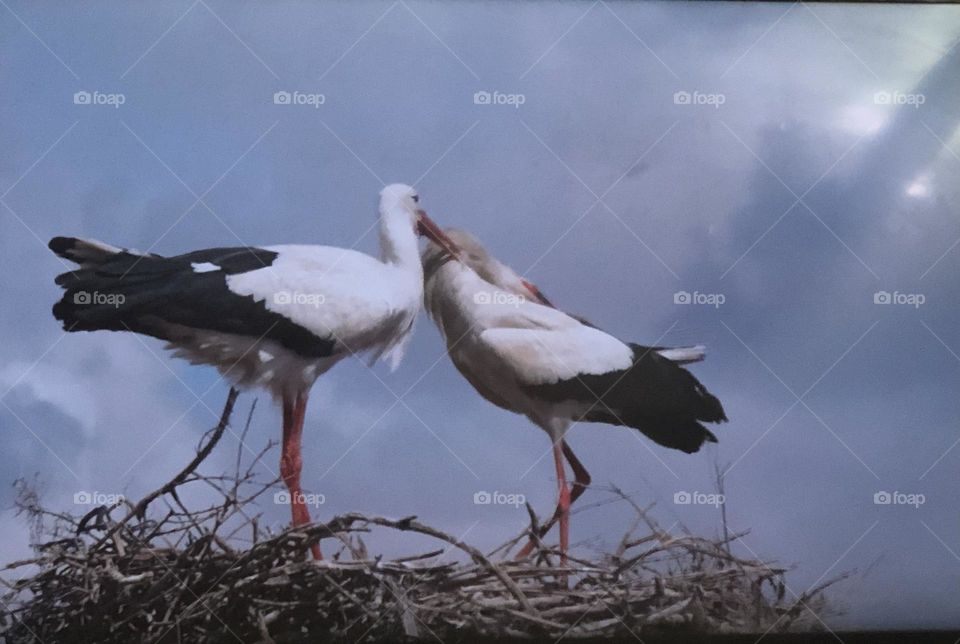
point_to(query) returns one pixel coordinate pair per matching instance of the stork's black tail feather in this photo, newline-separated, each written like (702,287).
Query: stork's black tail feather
(685,435)
(85,252)
(92,298)
(663,400)
(655,395)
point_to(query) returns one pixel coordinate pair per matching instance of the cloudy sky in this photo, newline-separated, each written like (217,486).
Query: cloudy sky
(790,164)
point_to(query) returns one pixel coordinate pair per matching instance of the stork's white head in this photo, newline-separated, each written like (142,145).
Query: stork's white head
(399,208)
(399,196)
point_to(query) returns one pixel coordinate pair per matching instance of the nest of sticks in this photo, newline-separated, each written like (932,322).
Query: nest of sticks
(215,574)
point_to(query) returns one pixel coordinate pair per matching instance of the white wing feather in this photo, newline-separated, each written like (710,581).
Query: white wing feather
(537,343)
(545,356)
(338,293)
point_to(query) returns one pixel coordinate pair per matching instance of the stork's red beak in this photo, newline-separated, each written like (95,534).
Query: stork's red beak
(426,226)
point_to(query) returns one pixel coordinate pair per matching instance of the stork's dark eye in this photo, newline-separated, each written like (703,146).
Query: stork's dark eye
(416,198)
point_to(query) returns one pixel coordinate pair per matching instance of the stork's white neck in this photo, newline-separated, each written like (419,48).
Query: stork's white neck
(398,241)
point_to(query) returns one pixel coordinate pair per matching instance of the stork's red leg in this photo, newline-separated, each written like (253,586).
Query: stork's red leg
(294,411)
(581,482)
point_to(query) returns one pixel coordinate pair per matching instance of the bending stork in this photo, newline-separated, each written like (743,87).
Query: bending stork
(276,317)
(524,355)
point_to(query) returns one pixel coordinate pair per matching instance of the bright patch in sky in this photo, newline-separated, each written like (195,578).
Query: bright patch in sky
(919,187)
(862,118)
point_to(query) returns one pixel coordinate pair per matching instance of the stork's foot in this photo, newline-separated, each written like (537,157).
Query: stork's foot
(301,516)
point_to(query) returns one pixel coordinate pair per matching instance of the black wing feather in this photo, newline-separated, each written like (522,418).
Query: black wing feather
(124,291)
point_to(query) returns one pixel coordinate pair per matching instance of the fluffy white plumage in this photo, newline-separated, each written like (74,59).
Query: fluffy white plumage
(363,304)
(359,301)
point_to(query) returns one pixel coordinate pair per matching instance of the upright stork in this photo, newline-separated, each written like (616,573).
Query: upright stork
(524,355)
(276,317)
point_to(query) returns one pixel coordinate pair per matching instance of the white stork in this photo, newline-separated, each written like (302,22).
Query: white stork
(274,316)
(524,355)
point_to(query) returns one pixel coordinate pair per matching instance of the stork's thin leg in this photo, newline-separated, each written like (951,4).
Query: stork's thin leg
(563,505)
(581,482)
(294,411)
(581,475)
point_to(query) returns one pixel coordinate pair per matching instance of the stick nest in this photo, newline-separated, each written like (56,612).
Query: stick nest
(215,575)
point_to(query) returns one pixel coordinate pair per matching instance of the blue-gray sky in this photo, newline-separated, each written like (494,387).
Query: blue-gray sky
(816,164)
